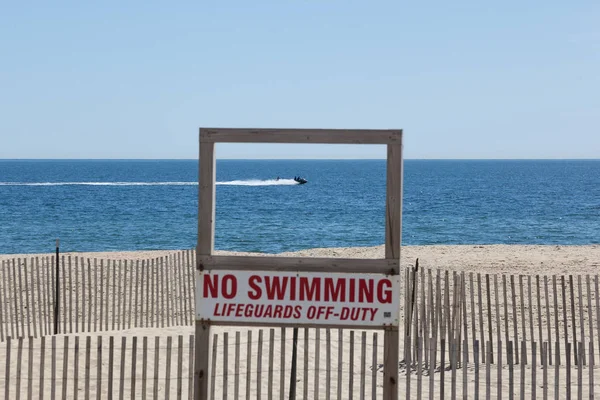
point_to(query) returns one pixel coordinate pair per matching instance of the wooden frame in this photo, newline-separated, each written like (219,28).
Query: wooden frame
(206,260)
(299,264)
(322,136)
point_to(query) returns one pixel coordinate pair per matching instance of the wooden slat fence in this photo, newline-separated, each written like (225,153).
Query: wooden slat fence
(255,364)
(97,367)
(94,294)
(107,295)
(524,331)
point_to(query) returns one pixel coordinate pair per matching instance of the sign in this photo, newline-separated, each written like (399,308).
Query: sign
(315,298)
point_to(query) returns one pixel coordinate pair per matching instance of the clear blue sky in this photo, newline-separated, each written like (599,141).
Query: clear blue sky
(136,79)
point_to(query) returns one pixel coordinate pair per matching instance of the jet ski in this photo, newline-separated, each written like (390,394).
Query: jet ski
(301,181)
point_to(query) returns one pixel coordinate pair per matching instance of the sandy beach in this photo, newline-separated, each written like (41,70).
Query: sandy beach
(320,360)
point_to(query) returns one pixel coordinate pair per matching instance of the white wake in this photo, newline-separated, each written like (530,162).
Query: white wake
(258,182)
(98,183)
(249,182)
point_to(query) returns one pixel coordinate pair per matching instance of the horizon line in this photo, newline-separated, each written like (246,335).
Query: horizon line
(299,159)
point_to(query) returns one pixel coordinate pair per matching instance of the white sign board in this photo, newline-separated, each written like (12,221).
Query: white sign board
(313,298)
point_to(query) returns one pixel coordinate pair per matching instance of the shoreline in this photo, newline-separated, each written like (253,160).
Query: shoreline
(496,258)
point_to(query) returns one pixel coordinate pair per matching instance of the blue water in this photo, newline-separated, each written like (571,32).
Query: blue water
(102,205)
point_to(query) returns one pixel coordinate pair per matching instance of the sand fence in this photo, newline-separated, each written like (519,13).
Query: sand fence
(94,294)
(467,334)
(256,364)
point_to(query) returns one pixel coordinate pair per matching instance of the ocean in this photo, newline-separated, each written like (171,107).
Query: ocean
(114,205)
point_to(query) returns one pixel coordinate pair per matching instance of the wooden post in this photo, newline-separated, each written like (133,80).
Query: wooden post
(177,303)
(556,371)
(46,293)
(506,318)
(133,366)
(292,394)
(65,370)
(179,367)
(523,323)
(419,349)
(597,291)
(147,272)
(573,324)
(539,312)
(190,272)
(64,295)
(71,296)
(98,369)
(509,356)
(191,367)
(591,369)
(340,359)
(579,346)
(7,369)
(168,287)
(271,359)
(481,332)
(499,369)
(533,369)
(120,311)
(568,383)
(111,357)
(522,377)
(89,313)
(582,355)
(153,291)
(29,307)
(476,360)
(556,326)
(156,371)
(590,320)
(432,349)
(2,301)
(236,388)
(259,358)
(442,366)
(564,309)
(76,370)
(393,239)
(77,294)
(489,318)
(488,373)
(167,369)
(56,291)
(545,370)
(145,365)
(40,298)
(515,318)
(373,371)
(88,349)
(19,358)
(249,363)
(12,299)
(101,319)
(136,284)
(95,291)
(206,232)
(317,355)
